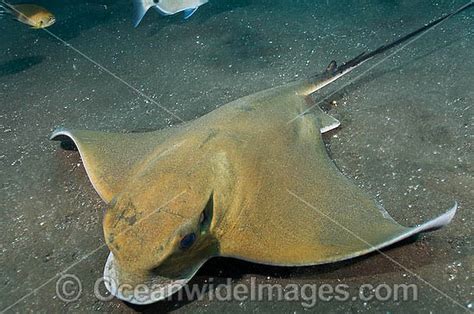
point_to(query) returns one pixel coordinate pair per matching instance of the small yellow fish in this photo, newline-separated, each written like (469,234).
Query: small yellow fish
(30,14)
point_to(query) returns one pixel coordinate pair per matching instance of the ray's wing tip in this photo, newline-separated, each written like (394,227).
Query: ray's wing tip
(449,215)
(439,221)
(60,134)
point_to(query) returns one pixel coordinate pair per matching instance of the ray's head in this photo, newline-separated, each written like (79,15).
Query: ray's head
(159,235)
(164,210)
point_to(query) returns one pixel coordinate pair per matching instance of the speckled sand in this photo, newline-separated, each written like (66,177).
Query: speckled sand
(406,135)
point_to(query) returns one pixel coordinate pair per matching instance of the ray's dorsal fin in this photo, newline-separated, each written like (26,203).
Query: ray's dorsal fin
(108,157)
(332,67)
(333,72)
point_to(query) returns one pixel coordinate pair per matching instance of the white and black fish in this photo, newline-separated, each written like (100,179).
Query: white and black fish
(165,7)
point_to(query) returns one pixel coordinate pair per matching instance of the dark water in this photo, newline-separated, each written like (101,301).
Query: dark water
(406,135)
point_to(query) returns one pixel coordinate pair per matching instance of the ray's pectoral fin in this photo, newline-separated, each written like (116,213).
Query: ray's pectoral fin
(386,233)
(347,238)
(108,157)
(328,227)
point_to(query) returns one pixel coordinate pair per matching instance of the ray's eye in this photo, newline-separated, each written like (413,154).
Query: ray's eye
(187,241)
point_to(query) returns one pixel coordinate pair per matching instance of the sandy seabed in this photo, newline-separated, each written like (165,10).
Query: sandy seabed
(406,135)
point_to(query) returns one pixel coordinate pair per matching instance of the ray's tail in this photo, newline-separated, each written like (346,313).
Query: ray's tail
(365,56)
(333,71)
